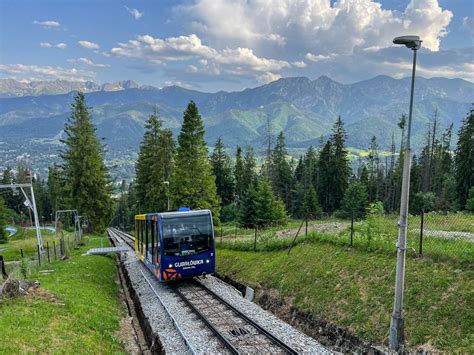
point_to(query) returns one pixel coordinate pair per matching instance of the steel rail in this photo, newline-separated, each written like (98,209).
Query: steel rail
(273,339)
(241,315)
(120,234)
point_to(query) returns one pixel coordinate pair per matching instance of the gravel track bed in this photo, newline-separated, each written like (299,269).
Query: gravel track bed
(285,332)
(199,337)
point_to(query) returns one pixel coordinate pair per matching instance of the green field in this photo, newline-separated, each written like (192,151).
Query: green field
(77,309)
(354,289)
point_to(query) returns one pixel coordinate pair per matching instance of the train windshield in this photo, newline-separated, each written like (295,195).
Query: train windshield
(187,234)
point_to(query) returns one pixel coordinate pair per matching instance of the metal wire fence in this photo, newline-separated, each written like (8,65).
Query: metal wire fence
(439,236)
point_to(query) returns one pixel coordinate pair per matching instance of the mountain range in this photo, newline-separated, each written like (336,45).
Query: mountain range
(303,109)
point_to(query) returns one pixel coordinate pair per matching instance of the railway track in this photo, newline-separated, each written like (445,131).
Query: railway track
(237,333)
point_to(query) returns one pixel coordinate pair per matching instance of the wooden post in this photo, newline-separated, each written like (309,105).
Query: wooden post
(47,251)
(54,247)
(21,253)
(352,228)
(39,255)
(306,221)
(2,268)
(255,241)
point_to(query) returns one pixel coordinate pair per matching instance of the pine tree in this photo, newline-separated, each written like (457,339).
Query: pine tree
(325,168)
(341,168)
(154,166)
(222,169)
(311,206)
(194,185)
(249,166)
(239,175)
(464,159)
(355,201)
(281,171)
(85,172)
(57,193)
(247,209)
(373,167)
(269,209)
(11,201)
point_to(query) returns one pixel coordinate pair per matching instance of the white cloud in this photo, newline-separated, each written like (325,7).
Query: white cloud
(238,61)
(299,64)
(88,45)
(135,13)
(49,45)
(468,23)
(87,62)
(177,83)
(303,26)
(266,78)
(47,24)
(318,57)
(46,72)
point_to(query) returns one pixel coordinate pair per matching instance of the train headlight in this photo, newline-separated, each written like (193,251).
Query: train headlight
(170,266)
(207,261)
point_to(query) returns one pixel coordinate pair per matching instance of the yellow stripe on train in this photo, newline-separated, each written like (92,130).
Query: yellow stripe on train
(140,217)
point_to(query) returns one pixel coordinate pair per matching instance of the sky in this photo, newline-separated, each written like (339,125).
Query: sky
(212,45)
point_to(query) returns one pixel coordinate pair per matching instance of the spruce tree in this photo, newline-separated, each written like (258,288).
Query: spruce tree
(248,208)
(154,166)
(281,171)
(222,169)
(269,209)
(464,159)
(325,168)
(239,175)
(249,166)
(85,173)
(57,192)
(311,206)
(341,170)
(194,185)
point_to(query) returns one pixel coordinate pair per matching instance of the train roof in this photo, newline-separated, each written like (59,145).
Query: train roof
(172,214)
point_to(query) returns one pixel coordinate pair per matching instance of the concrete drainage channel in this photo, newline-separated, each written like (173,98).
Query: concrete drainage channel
(168,325)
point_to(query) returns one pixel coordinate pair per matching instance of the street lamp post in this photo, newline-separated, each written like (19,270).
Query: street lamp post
(396,338)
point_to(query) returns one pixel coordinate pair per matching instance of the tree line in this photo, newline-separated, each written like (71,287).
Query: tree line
(173,173)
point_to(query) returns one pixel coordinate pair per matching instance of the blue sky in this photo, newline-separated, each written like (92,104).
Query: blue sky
(216,45)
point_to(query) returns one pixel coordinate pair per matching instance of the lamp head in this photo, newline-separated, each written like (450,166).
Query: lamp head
(412,42)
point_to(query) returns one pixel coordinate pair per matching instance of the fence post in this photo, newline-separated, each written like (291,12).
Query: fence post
(21,253)
(2,268)
(47,250)
(255,241)
(306,221)
(422,226)
(54,247)
(352,228)
(39,255)
(221,233)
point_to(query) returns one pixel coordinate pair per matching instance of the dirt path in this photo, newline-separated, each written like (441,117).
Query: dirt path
(329,228)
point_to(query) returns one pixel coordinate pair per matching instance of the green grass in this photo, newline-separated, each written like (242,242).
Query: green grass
(354,289)
(26,239)
(77,309)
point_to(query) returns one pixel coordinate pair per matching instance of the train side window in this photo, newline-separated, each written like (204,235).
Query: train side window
(142,225)
(147,226)
(152,230)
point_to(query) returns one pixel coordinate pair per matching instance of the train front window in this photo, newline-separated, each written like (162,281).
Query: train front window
(187,235)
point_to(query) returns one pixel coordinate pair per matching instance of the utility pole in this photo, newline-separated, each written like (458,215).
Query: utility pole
(396,338)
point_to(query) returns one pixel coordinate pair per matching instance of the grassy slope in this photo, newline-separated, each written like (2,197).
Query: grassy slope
(354,289)
(79,311)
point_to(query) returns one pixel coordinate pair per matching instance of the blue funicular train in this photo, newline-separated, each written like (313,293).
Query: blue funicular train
(176,245)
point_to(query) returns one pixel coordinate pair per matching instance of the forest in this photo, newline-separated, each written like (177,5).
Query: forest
(253,190)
